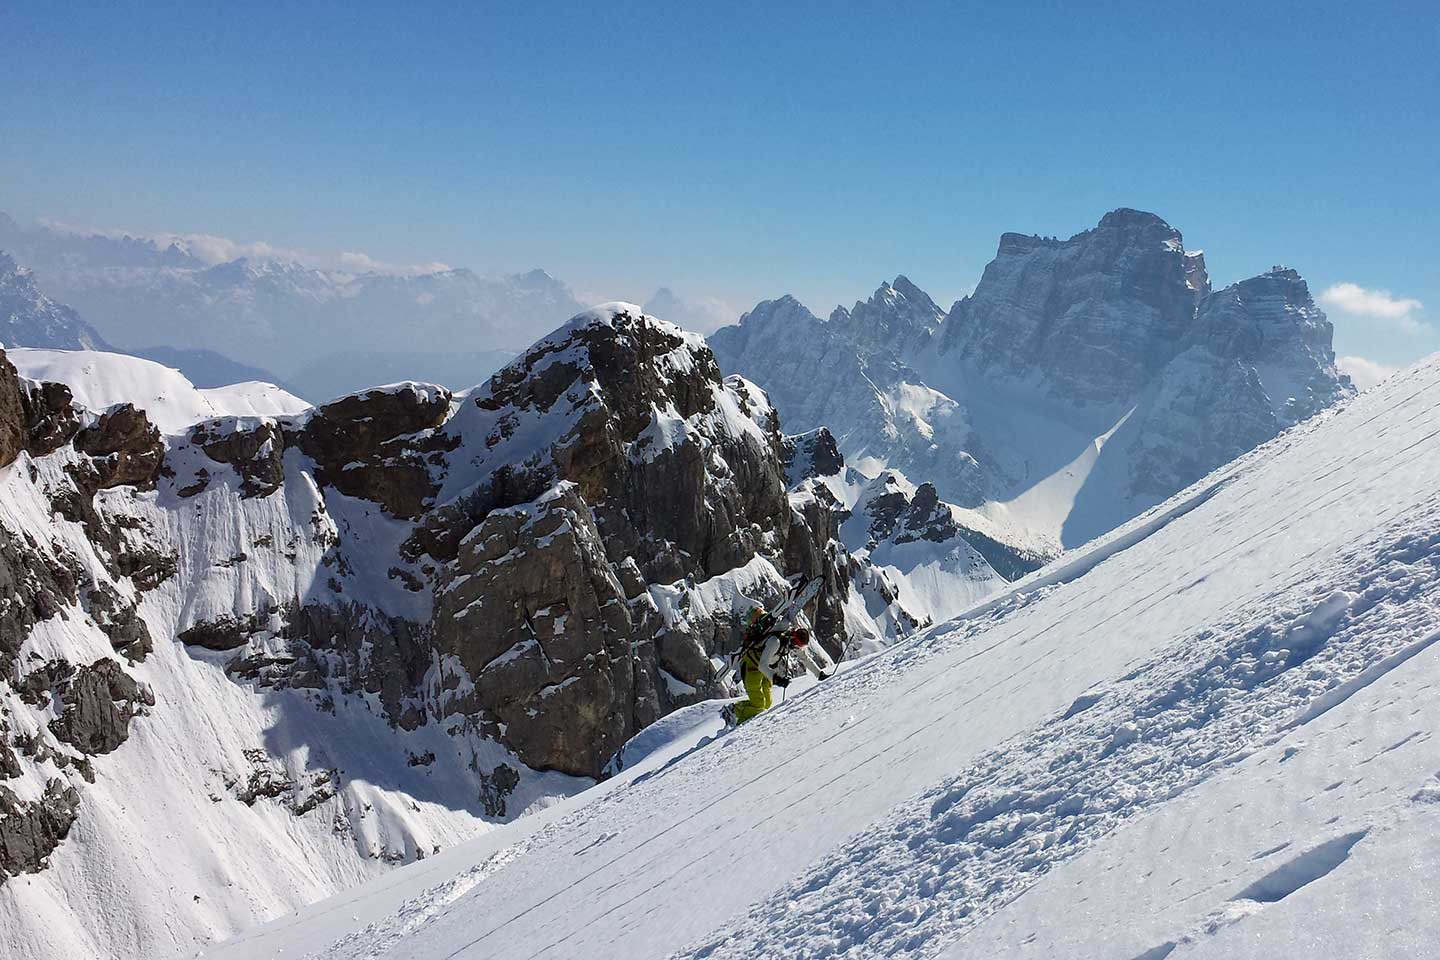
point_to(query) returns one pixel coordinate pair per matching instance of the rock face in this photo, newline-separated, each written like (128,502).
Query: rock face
(533,569)
(1095,316)
(359,445)
(13,435)
(28,318)
(655,471)
(1083,381)
(30,832)
(99,701)
(1271,323)
(125,448)
(537,616)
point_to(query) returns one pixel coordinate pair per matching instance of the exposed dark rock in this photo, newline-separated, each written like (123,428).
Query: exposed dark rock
(126,448)
(197,486)
(377,653)
(13,437)
(99,702)
(322,786)
(495,787)
(256,451)
(224,633)
(120,620)
(32,588)
(51,417)
(9,764)
(813,454)
(373,445)
(928,518)
(536,615)
(265,779)
(30,832)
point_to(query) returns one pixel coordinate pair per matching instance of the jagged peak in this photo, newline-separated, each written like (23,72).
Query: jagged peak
(784,304)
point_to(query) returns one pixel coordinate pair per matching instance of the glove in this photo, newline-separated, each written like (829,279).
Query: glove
(781,682)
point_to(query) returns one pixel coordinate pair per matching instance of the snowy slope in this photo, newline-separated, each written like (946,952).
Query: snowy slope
(262,657)
(1204,735)
(99,380)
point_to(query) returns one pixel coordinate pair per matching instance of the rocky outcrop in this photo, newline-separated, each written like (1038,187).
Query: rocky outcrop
(32,589)
(534,612)
(365,651)
(120,620)
(51,417)
(98,702)
(225,632)
(30,832)
(13,436)
(813,454)
(256,449)
(125,448)
(377,445)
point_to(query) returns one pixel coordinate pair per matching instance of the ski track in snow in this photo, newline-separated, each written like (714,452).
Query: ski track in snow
(902,806)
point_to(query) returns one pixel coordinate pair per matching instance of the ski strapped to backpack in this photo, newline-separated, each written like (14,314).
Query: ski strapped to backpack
(771,622)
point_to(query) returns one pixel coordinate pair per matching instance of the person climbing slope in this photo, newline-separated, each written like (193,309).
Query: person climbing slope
(764,655)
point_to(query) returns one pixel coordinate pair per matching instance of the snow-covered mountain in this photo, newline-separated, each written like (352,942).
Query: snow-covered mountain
(316,328)
(1209,734)
(29,318)
(256,652)
(1082,382)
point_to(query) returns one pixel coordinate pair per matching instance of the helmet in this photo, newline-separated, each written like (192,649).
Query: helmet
(799,637)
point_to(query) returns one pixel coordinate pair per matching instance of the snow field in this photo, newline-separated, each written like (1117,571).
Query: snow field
(924,799)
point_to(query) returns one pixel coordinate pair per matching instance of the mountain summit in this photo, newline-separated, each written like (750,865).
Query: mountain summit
(1083,381)
(347,636)
(29,318)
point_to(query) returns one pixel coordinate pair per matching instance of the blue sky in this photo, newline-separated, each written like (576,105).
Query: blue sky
(737,151)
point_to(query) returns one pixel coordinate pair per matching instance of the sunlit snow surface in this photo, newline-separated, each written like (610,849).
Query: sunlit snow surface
(1210,734)
(99,380)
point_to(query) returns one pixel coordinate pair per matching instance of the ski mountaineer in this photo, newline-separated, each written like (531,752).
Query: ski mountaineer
(763,653)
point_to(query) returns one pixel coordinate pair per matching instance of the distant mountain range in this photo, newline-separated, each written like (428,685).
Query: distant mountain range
(1083,381)
(324,331)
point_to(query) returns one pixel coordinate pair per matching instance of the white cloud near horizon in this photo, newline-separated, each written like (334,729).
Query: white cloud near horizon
(1382,305)
(211,249)
(699,314)
(1364,372)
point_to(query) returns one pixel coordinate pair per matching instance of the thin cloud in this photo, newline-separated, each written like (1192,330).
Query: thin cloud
(701,314)
(211,249)
(1358,301)
(1364,372)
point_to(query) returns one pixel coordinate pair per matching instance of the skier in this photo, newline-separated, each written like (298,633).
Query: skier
(763,654)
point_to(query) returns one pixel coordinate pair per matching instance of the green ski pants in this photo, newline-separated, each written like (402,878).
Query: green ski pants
(757,686)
